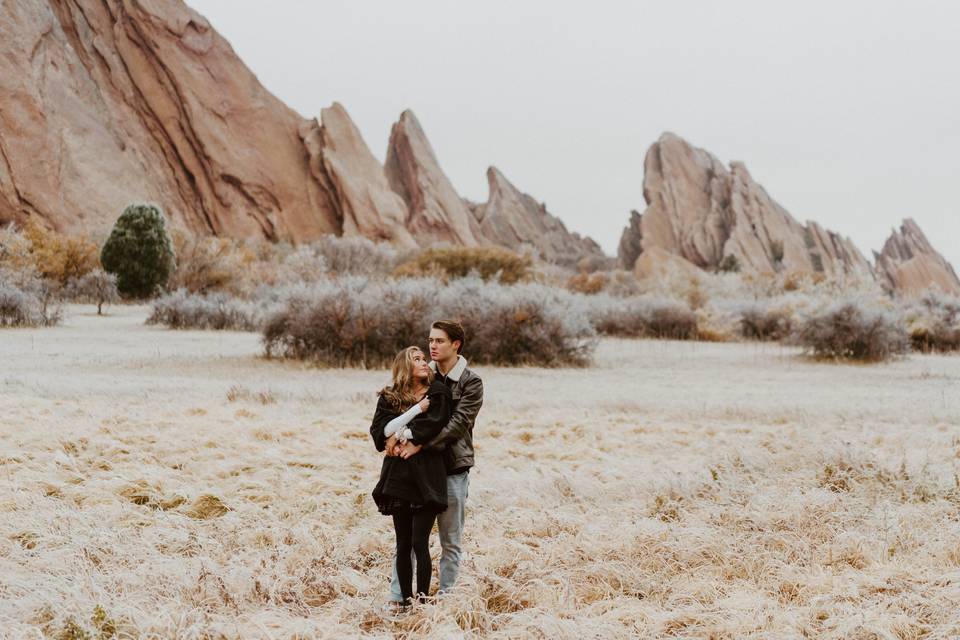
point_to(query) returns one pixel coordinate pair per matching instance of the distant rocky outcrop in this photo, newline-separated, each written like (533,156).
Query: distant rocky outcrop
(513,219)
(707,214)
(909,264)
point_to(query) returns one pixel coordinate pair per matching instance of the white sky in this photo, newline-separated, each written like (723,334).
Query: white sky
(848,113)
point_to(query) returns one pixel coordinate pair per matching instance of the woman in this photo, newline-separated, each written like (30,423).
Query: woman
(414,490)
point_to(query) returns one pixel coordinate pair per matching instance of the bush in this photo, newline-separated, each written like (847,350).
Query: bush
(206,264)
(643,316)
(305,264)
(764,322)
(219,311)
(488,262)
(847,331)
(60,258)
(588,283)
(355,255)
(56,257)
(26,301)
(361,322)
(934,323)
(138,251)
(98,287)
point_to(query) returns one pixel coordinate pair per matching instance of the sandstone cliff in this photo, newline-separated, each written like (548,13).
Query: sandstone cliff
(108,102)
(908,263)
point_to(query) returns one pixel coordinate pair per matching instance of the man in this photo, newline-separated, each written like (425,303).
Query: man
(456,439)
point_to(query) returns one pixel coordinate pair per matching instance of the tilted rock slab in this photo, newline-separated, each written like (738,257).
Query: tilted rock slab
(108,102)
(354,180)
(513,219)
(908,263)
(703,212)
(437,213)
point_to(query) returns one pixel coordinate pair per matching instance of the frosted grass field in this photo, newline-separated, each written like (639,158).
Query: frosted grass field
(162,484)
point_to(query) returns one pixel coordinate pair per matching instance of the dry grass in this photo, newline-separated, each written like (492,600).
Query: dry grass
(675,489)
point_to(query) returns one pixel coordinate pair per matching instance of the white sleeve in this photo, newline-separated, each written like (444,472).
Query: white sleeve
(401,421)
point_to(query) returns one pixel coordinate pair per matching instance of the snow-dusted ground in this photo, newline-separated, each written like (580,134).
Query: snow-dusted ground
(673,489)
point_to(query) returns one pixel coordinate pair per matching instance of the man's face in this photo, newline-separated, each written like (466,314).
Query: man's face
(441,349)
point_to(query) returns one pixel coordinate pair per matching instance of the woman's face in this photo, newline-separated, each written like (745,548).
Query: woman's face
(421,371)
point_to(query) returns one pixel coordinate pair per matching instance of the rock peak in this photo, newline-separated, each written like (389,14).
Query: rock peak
(909,264)
(705,212)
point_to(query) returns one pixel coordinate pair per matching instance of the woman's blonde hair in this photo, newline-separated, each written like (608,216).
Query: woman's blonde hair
(400,393)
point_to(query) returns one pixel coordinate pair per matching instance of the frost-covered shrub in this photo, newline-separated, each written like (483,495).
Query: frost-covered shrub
(934,323)
(759,321)
(26,301)
(643,316)
(97,287)
(848,330)
(489,263)
(526,323)
(356,255)
(365,322)
(183,310)
(616,283)
(206,264)
(303,264)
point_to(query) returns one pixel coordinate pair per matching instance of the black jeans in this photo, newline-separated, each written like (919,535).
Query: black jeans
(413,532)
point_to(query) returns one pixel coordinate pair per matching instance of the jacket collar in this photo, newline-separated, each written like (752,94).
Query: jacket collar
(457,371)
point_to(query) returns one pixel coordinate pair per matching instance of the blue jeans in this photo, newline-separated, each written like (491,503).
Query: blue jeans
(450,525)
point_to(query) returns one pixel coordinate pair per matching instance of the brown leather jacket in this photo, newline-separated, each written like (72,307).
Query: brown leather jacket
(457,436)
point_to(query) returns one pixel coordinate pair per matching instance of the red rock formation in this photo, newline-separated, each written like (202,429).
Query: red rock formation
(702,211)
(908,263)
(437,213)
(107,102)
(354,180)
(513,219)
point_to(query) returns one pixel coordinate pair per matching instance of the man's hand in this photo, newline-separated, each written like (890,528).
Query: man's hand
(391,446)
(409,449)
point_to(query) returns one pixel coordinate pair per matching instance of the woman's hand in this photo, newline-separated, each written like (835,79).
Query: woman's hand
(392,445)
(424,404)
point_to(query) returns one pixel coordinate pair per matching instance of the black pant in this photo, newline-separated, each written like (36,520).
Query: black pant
(413,532)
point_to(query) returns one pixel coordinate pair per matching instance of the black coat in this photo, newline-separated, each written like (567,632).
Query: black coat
(421,479)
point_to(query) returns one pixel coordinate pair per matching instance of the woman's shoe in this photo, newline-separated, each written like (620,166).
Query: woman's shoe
(393,608)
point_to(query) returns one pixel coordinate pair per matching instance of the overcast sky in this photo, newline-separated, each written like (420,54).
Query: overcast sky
(848,113)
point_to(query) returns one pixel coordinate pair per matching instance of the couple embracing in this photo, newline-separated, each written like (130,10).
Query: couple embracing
(424,424)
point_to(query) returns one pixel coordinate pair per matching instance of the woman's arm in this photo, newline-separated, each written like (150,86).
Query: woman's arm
(427,425)
(397,424)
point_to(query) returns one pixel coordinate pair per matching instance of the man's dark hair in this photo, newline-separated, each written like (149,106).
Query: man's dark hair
(454,331)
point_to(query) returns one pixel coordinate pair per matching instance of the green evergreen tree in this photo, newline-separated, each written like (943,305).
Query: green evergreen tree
(139,251)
